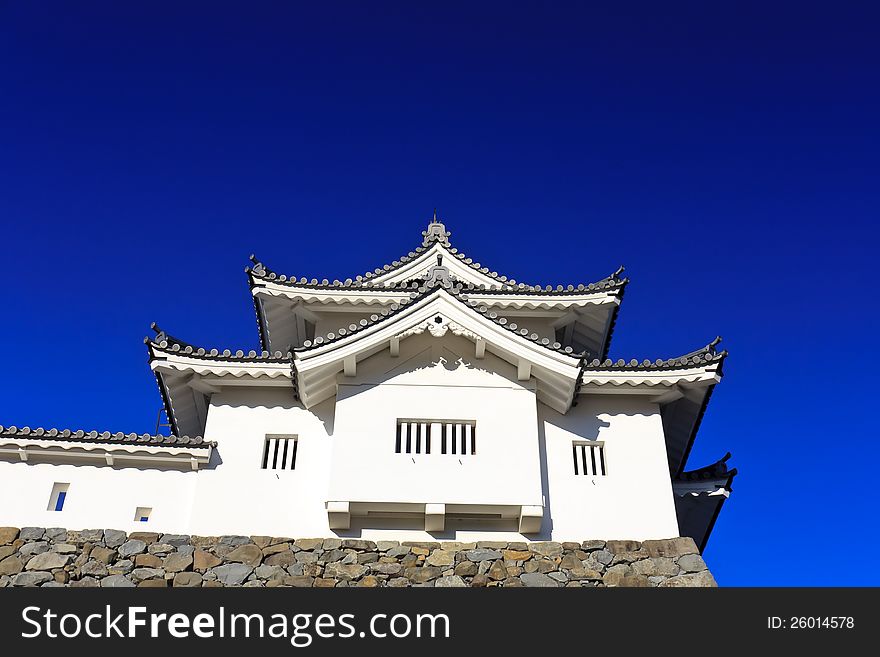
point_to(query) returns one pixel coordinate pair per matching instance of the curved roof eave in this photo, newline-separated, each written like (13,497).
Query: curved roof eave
(435,236)
(521,336)
(103,437)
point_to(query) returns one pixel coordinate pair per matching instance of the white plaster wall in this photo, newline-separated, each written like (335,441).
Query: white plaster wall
(346,452)
(634,500)
(99,497)
(237,496)
(504,470)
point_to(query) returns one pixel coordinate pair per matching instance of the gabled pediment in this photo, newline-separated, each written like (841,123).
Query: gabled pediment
(447,361)
(435,316)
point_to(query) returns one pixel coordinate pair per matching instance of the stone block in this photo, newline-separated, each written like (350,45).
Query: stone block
(691,563)
(671,547)
(176,563)
(146,537)
(187,580)
(547,548)
(538,580)
(132,547)
(48,561)
(249,554)
(8,534)
(690,580)
(203,560)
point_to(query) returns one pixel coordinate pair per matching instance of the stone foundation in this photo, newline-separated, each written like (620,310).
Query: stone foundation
(34,556)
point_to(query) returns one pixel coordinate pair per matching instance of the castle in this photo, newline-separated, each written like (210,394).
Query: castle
(429,398)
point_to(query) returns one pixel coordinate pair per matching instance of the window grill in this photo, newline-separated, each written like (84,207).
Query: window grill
(279,452)
(457,437)
(589,458)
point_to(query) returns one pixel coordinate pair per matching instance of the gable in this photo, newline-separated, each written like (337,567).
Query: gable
(428,361)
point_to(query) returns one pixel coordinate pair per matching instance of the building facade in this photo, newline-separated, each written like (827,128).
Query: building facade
(430,398)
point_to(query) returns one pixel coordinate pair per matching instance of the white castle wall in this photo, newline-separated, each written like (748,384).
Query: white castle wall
(634,500)
(98,496)
(503,471)
(346,452)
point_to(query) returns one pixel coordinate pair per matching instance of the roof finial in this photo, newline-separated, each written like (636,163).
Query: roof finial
(434,220)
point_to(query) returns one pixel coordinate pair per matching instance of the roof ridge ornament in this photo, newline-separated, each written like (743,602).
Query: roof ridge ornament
(438,274)
(436,232)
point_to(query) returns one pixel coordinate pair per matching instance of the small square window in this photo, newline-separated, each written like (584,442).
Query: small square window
(279,452)
(589,458)
(142,514)
(58,497)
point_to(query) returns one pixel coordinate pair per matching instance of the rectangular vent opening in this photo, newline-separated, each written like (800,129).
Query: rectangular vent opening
(589,458)
(458,437)
(279,452)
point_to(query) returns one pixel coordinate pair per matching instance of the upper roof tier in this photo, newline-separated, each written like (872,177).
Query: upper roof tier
(417,265)
(291,311)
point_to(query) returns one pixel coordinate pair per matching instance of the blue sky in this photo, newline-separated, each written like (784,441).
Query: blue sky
(726,154)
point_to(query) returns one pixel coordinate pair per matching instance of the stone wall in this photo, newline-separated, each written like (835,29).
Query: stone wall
(34,556)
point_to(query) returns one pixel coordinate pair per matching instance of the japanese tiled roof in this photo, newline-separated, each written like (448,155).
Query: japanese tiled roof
(717,470)
(166,342)
(418,292)
(104,437)
(704,356)
(438,235)
(423,290)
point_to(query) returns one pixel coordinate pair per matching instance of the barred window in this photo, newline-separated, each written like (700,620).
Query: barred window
(589,458)
(279,452)
(457,437)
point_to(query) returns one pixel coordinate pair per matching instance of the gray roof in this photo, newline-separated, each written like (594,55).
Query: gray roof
(436,233)
(717,470)
(703,356)
(708,354)
(424,290)
(166,342)
(105,437)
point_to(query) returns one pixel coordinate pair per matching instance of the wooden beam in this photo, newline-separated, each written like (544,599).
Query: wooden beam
(480,348)
(196,382)
(694,394)
(567,318)
(530,518)
(395,347)
(669,395)
(435,517)
(339,515)
(523,370)
(201,408)
(299,308)
(349,365)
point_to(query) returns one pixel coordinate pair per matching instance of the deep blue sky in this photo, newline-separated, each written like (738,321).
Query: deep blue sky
(726,154)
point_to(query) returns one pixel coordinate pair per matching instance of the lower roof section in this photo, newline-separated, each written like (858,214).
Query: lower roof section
(699,496)
(40,445)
